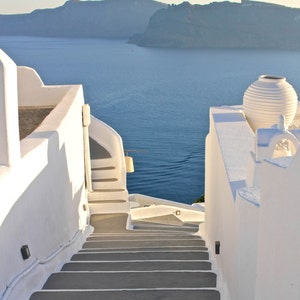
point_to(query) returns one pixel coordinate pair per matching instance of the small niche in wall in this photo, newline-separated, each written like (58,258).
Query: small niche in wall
(25,252)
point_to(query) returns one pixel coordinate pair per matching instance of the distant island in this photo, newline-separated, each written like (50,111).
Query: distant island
(223,25)
(84,19)
(149,23)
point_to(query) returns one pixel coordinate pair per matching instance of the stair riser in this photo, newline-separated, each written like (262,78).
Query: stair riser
(103,163)
(109,208)
(109,195)
(103,174)
(116,184)
(130,280)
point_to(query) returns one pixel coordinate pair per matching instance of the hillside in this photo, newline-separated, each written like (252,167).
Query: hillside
(223,25)
(101,19)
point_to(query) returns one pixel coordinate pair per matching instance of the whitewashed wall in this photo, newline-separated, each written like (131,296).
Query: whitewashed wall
(257,226)
(278,271)
(33,90)
(42,194)
(220,219)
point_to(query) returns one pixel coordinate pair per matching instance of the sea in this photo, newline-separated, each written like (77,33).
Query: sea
(157,99)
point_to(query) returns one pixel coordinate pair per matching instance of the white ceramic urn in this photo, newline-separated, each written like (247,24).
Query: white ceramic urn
(267,99)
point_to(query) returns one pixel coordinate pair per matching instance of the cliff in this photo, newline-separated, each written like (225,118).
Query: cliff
(84,19)
(223,25)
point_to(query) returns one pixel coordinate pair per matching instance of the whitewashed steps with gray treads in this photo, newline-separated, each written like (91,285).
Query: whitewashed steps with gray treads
(116,264)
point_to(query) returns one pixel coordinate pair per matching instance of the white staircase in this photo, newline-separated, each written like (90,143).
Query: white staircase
(108,174)
(152,261)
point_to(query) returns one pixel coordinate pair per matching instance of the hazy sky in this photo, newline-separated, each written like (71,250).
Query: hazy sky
(25,6)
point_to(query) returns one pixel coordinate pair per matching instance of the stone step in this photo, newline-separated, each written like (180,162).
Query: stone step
(144,233)
(105,201)
(106,179)
(103,168)
(149,237)
(142,243)
(131,280)
(108,194)
(137,265)
(103,163)
(148,294)
(109,183)
(160,227)
(141,255)
(163,220)
(102,173)
(157,261)
(108,207)
(109,223)
(149,249)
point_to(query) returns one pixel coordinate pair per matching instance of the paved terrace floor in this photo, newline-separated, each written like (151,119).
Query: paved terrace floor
(30,117)
(160,259)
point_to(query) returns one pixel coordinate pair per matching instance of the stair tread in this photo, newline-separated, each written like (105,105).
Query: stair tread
(107,201)
(153,262)
(125,280)
(108,190)
(160,227)
(150,294)
(146,255)
(142,243)
(137,266)
(130,235)
(103,168)
(149,249)
(104,179)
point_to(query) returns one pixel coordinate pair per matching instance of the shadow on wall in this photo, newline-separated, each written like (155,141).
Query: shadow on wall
(45,216)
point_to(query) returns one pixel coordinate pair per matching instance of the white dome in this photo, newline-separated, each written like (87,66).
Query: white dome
(268,98)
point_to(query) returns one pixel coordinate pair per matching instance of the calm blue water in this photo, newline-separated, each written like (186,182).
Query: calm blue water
(157,99)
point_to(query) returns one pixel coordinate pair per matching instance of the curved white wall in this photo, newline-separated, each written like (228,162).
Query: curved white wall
(108,138)
(33,92)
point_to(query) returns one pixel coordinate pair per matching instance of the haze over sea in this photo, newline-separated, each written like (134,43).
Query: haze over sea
(157,99)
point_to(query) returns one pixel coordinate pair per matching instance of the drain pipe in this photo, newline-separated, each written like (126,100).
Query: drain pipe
(86,121)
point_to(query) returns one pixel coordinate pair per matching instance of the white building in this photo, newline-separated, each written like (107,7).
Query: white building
(55,176)
(50,186)
(252,193)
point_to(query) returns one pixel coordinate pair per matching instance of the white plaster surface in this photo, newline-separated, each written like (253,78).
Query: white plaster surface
(258,226)
(229,123)
(9,124)
(42,193)
(33,92)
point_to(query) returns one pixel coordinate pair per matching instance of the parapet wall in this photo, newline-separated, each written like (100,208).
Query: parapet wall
(33,92)
(252,209)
